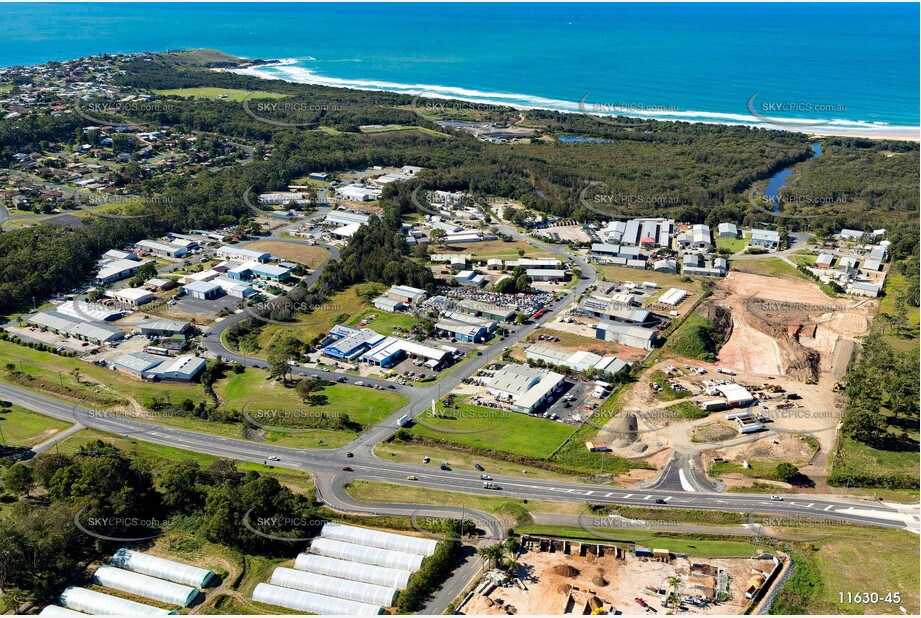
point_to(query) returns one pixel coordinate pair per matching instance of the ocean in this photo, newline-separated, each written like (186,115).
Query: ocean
(835,66)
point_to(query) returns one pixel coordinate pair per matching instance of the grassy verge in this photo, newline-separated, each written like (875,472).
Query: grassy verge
(226,94)
(696,338)
(21,427)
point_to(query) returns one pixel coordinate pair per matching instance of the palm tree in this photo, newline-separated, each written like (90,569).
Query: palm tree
(674,581)
(492,554)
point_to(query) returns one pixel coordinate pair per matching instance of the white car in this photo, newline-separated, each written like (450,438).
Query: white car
(274,458)
(776,498)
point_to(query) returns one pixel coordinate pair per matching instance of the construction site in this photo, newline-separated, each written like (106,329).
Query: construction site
(558,577)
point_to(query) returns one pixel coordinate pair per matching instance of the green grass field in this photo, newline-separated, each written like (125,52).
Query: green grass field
(768,266)
(497,430)
(907,339)
(733,244)
(21,427)
(226,94)
(385,321)
(664,280)
(494,249)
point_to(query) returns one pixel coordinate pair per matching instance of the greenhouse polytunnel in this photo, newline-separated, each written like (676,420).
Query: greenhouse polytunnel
(57,610)
(367,555)
(311,603)
(376,538)
(161,568)
(145,586)
(92,602)
(333,587)
(356,571)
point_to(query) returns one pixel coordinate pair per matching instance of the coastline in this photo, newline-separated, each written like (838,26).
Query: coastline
(823,128)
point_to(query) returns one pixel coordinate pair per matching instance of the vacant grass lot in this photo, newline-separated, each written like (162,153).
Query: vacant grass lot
(339,309)
(302,253)
(733,244)
(227,94)
(494,249)
(664,280)
(888,563)
(385,321)
(497,430)
(863,459)
(96,384)
(907,339)
(770,267)
(21,427)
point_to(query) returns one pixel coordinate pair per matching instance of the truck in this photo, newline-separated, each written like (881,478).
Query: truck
(488,485)
(723,370)
(445,466)
(403,421)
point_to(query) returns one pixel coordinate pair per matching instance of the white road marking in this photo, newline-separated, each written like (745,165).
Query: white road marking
(628,496)
(647,498)
(830,506)
(685,484)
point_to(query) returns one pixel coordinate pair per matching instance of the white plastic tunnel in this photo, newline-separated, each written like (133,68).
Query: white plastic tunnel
(145,586)
(356,571)
(57,610)
(311,603)
(92,602)
(367,555)
(333,587)
(161,568)
(376,538)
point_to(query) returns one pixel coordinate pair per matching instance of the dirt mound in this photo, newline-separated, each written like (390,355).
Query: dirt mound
(599,581)
(565,570)
(564,589)
(621,430)
(720,316)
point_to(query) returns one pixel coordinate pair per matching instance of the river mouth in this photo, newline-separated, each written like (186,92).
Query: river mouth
(779,180)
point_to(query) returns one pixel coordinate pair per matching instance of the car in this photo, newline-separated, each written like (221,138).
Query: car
(485,477)
(391,386)
(274,458)
(660,501)
(347,469)
(426,459)
(350,454)
(479,354)
(315,376)
(342,379)
(776,498)
(479,467)
(359,383)
(412,477)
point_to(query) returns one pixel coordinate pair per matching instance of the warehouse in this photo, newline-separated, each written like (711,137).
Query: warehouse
(488,310)
(240,254)
(391,350)
(346,217)
(546,274)
(870,290)
(117,270)
(388,558)
(462,331)
(358,193)
(385,303)
(545,263)
(525,388)
(144,366)
(378,538)
(615,311)
(164,249)
(673,297)
(333,587)
(825,260)
(167,592)
(163,328)
(233,288)
(162,568)
(131,296)
(727,230)
(626,334)
(203,290)
(470,278)
(577,361)
(698,237)
(84,311)
(248,270)
(114,254)
(768,239)
(94,332)
(735,395)
(92,602)
(367,573)
(311,603)
(406,294)
(665,266)
(349,343)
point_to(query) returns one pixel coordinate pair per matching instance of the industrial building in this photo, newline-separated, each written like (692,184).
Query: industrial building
(525,388)
(84,330)
(358,193)
(727,230)
(406,294)
(698,237)
(863,288)
(735,395)
(546,274)
(470,278)
(249,270)
(347,343)
(489,310)
(144,366)
(614,310)
(133,297)
(577,361)
(769,239)
(163,328)
(241,254)
(164,249)
(117,270)
(385,303)
(204,290)
(673,297)
(626,334)
(825,260)
(646,232)
(391,350)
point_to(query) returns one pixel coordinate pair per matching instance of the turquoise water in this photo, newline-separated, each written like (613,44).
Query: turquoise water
(704,62)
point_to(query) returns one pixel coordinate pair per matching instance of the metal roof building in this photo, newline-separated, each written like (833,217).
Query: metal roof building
(92,602)
(366,555)
(162,568)
(96,332)
(311,603)
(378,538)
(145,586)
(367,573)
(633,336)
(333,587)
